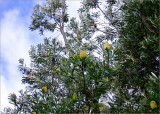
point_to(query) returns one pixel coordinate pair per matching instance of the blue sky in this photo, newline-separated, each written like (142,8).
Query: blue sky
(16,39)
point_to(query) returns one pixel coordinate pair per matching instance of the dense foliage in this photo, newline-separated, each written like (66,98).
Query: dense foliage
(109,62)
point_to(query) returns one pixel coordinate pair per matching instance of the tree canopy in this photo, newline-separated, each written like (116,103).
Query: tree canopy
(109,62)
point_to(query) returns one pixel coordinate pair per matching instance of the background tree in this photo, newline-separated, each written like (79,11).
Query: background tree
(137,56)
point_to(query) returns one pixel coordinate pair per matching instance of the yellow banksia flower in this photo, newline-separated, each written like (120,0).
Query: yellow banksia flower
(86,108)
(102,107)
(58,70)
(106,46)
(83,54)
(44,89)
(153,105)
(75,86)
(33,113)
(47,54)
(78,36)
(74,56)
(74,97)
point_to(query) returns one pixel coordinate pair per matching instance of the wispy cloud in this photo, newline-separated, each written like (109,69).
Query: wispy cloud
(15,43)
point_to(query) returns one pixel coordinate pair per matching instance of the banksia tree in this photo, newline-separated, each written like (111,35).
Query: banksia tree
(113,60)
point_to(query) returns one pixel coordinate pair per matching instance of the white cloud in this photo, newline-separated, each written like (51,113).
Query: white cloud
(73,6)
(14,45)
